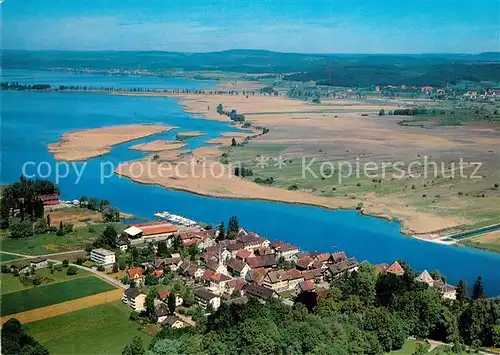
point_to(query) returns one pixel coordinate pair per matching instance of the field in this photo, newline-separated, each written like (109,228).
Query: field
(8,257)
(490,241)
(102,329)
(25,300)
(51,243)
(74,215)
(11,283)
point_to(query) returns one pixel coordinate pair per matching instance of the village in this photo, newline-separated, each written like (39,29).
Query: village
(214,266)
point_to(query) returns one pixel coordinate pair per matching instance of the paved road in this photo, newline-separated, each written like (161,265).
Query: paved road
(44,255)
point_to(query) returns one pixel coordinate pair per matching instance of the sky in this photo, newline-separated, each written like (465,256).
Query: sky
(310,26)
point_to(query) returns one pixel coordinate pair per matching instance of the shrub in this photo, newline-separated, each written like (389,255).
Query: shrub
(115,267)
(21,230)
(100,268)
(293,187)
(72,270)
(37,281)
(134,316)
(65,263)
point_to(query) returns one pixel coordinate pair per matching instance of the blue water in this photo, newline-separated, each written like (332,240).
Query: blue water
(32,120)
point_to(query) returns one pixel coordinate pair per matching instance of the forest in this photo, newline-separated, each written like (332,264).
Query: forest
(352,70)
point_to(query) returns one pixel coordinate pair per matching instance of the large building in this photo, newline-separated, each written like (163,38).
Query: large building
(102,256)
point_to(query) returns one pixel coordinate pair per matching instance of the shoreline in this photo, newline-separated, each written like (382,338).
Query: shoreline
(84,144)
(183,100)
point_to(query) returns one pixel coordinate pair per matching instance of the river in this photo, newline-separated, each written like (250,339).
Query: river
(31,120)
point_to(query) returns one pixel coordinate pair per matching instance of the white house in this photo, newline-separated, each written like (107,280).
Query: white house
(39,263)
(204,297)
(135,299)
(102,256)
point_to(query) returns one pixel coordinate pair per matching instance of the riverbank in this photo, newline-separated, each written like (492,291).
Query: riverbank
(85,144)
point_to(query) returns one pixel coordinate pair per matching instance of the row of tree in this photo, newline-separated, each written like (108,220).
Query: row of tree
(233,114)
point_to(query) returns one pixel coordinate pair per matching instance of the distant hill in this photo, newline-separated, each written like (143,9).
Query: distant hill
(329,69)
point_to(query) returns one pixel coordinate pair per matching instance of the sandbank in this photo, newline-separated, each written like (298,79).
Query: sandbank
(85,144)
(158,145)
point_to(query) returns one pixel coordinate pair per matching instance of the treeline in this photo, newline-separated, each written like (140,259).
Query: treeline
(16,341)
(363,75)
(233,114)
(361,313)
(23,196)
(109,213)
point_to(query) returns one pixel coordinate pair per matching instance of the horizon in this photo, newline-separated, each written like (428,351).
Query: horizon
(249,50)
(312,27)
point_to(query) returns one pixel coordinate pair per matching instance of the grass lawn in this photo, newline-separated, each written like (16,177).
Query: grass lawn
(11,283)
(51,243)
(42,296)
(103,329)
(407,349)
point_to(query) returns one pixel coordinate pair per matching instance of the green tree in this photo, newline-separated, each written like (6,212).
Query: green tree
(22,229)
(108,236)
(150,304)
(478,289)
(381,112)
(222,232)
(134,348)
(166,347)
(462,293)
(48,220)
(110,214)
(171,302)
(233,227)
(72,270)
(4,215)
(162,249)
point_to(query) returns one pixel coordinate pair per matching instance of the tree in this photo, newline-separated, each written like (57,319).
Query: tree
(166,347)
(233,142)
(478,289)
(462,294)
(21,230)
(221,232)
(4,215)
(233,227)
(220,109)
(171,302)
(150,280)
(110,214)
(48,220)
(150,304)
(381,112)
(40,226)
(65,263)
(108,236)
(162,249)
(60,231)
(134,348)
(115,268)
(72,270)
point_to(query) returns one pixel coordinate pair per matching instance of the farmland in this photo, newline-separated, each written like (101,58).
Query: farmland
(11,283)
(102,329)
(47,243)
(25,300)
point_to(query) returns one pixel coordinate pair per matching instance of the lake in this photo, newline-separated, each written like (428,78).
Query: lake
(31,120)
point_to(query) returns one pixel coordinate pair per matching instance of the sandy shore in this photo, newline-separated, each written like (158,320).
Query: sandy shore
(158,145)
(90,143)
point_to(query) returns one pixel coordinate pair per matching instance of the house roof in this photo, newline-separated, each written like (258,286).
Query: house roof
(262,261)
(304,262)
(133,231)
(322,257)
(396,268)
(132,292)
(286,247)
(135,271)
(294,274)
(103,251)
(237,284)
(162,310)
(160,230)
(163,294)
(425,277)
(170,320)
(204,294)
(342,266)
(311,274)
(38,260)
(381,268)
(48,197)
(244,254)
(157,273)
(257,275)
(307,285)
(338,257)
(236,264)
(259,291)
